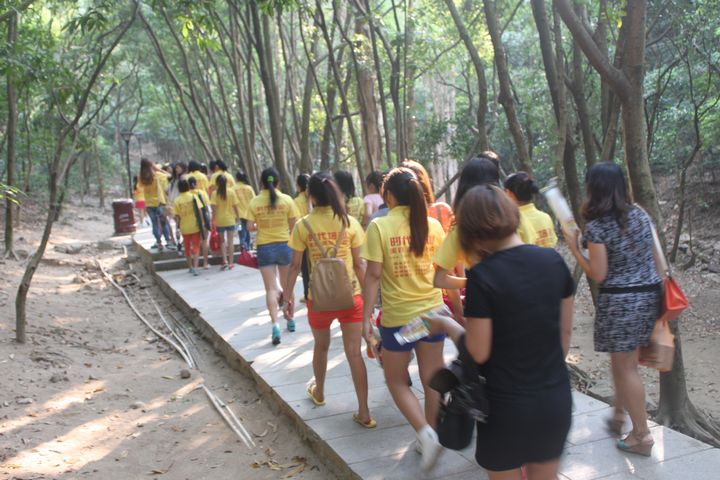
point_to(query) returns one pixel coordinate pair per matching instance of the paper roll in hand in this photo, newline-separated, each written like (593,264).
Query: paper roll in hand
(561,210)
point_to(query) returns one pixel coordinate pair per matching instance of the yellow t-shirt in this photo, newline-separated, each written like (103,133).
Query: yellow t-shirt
(214,176)
(526,231)
(202,180)
(542,223)
(327,227)
(273,224)
(183,208)
(153,193)
(302,204)
(244,193)
(138,193)
(224,209)
(406,281)
(356,208)
(450,252)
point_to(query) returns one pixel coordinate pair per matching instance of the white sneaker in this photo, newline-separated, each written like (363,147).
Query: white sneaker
(429,447)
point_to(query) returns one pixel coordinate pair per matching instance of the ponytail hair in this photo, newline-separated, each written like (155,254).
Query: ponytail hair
(269,178)
(407,190)
(423,178)
(324,192)
(221,183)
(346,183)
(522,186)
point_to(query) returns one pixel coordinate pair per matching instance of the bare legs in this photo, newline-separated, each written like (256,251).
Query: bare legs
(629,392)
(351,335)
(430,360)
(270,276)
(227,248)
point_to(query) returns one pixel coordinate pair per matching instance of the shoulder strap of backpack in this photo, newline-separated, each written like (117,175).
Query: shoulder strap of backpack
(323,251)
(339,240)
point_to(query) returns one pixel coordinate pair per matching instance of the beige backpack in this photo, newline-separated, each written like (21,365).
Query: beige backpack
(332,289)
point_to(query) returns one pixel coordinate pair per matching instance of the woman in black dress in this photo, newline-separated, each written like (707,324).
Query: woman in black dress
(620,248)
(519,309)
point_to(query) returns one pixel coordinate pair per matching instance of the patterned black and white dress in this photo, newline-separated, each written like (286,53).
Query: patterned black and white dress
(630,297)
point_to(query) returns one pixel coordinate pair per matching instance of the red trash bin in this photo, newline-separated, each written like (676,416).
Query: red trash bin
(124,216)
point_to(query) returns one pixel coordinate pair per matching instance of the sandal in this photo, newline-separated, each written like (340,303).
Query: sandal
(643,446)
(311,394)
(369,424)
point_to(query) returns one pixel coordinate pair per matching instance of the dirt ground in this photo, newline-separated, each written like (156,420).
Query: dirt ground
(93,394)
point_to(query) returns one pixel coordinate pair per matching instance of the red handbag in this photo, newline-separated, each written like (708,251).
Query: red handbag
(674,300)
(247,259)
(660,352)
(215,242)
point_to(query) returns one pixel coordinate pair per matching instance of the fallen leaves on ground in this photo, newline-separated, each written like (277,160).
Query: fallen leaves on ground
(297,465)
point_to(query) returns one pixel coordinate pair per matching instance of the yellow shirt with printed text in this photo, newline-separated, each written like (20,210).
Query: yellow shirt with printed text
(542,223)
(183,209)
(406,281)
(244,193)
(224,208)
(202,180)
(356,208)
(273,223)
(327,227)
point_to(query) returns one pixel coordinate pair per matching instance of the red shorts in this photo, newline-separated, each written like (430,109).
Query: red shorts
(192,243)
(323,320)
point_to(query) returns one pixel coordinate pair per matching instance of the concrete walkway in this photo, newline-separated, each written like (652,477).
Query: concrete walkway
(229,307)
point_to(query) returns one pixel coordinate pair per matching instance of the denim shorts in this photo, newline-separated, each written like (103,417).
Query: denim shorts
(274,254)
(231,228)
(390,343)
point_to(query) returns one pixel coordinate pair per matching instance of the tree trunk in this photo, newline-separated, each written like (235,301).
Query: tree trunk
(343,96)
(264,49)
(11,132)
(366,96)
(306,163)
(98,169)
(409,81)
(479,72)
(506,96)
(633,112)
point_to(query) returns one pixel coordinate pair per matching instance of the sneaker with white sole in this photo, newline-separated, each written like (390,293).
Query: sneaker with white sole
(429,447)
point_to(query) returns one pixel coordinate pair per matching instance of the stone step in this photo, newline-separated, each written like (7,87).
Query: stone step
(179,262)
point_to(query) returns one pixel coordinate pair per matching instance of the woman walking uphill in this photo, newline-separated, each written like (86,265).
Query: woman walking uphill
(188,215)
(329,230)
(399,250)
(620,247)
(272,214)
(152,190)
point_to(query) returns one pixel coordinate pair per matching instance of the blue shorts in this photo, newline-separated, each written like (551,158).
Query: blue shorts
(231,228)
(272,254)
(390,343)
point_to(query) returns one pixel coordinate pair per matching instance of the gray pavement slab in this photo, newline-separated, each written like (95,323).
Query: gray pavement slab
(232,305)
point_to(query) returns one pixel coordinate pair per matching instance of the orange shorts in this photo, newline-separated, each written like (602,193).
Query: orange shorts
(323,320)
(192,243)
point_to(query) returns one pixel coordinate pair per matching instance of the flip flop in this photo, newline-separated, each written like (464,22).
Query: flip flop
(369,424)
(311,394)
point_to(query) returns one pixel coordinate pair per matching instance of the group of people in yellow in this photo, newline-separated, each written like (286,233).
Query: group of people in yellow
(408,254)
(482,272)
(199,205)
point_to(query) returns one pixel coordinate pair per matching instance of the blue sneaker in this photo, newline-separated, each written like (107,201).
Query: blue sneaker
(291,325)
(275,335)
